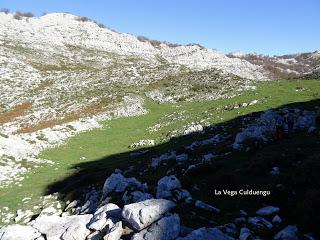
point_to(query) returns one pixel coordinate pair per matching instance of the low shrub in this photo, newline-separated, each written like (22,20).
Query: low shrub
(83,19)
(101,25)
(156,43)
(19,15)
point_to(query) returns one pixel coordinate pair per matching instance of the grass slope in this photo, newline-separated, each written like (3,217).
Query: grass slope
(116,135)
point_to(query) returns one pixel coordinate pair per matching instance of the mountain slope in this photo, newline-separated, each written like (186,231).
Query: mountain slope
(61,67)
(286,66)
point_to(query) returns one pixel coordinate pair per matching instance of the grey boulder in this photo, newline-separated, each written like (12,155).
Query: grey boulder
(288,233)
(206,234)
(116,182)
(205,206)
(19,232)
(101,216)
(167,228)
(67,228)
(267,211)
(115,232)
(142,214)
(166,185)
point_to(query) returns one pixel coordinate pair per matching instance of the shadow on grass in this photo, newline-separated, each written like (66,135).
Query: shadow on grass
(296,191)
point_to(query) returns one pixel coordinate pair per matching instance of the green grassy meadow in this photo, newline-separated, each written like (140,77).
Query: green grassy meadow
(116,135)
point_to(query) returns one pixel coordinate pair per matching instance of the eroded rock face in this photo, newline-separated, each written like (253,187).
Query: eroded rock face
(167,228)
(19,232)
(206,233)
(142,214)
(67,228)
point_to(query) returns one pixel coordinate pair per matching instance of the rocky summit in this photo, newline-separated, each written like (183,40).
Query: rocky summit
(106,135)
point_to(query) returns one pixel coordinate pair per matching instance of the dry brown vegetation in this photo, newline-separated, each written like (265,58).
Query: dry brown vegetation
(87,111)
(17,111)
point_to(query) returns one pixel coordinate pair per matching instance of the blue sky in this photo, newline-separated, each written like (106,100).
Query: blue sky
(262,26)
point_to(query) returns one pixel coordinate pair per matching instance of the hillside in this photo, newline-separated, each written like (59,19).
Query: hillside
(92,120)
(286,66)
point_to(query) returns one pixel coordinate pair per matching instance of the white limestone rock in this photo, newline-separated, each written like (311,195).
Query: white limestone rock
(142,214)
(143,143)
(96,235)
(50,211)
(276,219)
(275,171)
(115,232)
(167,228)
(230,229)
(155,162)
(267,211)
(182,157)
(166,185)
(205,206)
(67,228)
(135,196)
(19,232)
(259,222)
(245,234)
(23,216)
(206,233)
(208,157)
(118,183)
(193,128)
(103,216)
(71,205)
(182,194)
(288,233)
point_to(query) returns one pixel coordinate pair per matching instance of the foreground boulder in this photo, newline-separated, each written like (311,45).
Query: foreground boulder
(206,233)
(102,215)
(140,215)
(167,228)
(19,232)
(67,228)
